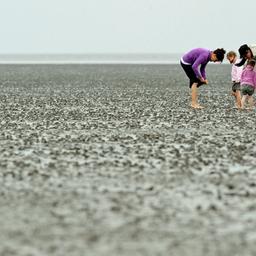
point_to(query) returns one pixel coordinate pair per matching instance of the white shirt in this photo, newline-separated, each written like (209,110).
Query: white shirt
(236,72)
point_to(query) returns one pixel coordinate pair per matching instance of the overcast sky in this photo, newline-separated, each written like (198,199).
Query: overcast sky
(124,26)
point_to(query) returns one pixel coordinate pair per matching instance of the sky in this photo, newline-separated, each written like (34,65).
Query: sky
(124,26)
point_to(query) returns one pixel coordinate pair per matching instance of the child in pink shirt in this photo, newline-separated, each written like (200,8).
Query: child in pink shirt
(248,84)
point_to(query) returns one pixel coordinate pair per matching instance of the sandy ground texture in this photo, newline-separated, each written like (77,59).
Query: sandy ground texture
(111,160)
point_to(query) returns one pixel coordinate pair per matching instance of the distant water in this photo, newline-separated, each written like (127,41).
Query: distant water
(169,58)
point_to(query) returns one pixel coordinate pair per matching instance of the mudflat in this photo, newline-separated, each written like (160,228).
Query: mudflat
(111,160)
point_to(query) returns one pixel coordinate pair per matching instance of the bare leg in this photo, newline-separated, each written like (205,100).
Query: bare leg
(250,100)
(238,99)
(194,102)
(243,101)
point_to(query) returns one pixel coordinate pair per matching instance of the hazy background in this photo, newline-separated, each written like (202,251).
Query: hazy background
(123,26)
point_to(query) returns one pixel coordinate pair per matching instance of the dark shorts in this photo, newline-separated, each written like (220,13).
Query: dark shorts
(236,87)
(247,89)
(191,75)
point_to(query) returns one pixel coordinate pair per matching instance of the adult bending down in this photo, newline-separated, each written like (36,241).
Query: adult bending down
(191,61)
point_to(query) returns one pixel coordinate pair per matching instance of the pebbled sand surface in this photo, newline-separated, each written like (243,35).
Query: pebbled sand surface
(110,160)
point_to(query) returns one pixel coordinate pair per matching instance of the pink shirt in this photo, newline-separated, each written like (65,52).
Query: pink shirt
(236,72)
(248,76)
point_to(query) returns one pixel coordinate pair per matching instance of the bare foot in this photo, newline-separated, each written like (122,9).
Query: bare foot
(197,106)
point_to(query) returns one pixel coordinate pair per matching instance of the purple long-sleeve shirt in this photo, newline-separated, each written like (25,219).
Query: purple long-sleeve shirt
(197,57)
(248,76)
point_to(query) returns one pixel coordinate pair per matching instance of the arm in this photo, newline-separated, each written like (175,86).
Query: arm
(201,60)
(242,77)
(238,73)
(202,70)
(254,80)
(234,73)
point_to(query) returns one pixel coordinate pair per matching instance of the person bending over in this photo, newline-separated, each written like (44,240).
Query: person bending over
(194,63)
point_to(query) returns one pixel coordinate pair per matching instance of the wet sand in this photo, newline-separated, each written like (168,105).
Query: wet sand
(111,160)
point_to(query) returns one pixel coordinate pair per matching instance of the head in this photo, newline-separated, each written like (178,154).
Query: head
(231,56)
(251,63)
(218,55)
(245,54)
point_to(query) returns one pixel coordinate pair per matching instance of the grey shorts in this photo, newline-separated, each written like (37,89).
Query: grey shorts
(235,86)
(247,89)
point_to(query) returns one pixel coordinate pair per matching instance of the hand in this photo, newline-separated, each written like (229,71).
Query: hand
(206,81)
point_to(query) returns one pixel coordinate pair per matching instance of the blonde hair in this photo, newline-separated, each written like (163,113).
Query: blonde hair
(231,54)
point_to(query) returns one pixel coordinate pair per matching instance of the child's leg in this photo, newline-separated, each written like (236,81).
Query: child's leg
(194,97)
(238,98)
(250,101)
(243,101)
